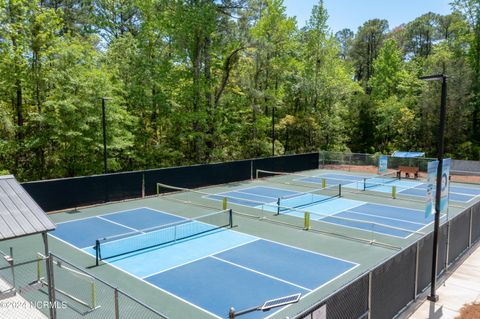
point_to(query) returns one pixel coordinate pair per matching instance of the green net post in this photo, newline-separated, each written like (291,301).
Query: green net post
(306,221)
(278,206)
(394,192)
(225,203)
(324,183)
(94,295)
(39,268)
(230,217)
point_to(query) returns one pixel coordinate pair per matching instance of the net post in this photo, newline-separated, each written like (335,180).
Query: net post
(230,217)
(324,182)
(394,192)
(339,190)
(256,174)
(97,252)
(225,203)
(231,313)
(94,295)
(278,206)
(306,221)
(364,184)
(39,268)
(117,310)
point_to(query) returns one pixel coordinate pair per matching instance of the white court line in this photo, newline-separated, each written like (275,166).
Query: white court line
(115,212)
(260,273)
(354,265)
(383,217)
(318,288)
(111,221)
(200,258)
(251,194)
(322,220)
(139,278)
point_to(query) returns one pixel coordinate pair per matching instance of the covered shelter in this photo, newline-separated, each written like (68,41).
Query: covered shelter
(402,154)
(21,216)
(410,169)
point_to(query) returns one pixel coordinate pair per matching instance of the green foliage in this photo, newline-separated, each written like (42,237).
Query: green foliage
(198,81)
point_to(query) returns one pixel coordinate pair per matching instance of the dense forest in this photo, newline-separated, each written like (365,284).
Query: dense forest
(195,81)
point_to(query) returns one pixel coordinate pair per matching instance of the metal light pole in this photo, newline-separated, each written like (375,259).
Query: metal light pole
(273,131)
(440,148)
(104,125)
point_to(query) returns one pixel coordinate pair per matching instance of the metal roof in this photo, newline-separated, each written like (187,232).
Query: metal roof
(408,154)
(20,215)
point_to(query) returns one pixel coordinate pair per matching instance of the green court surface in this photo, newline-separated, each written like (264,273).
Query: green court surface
(255,214)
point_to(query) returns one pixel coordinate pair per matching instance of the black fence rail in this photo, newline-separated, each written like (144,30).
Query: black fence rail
(66,193)
(389,288)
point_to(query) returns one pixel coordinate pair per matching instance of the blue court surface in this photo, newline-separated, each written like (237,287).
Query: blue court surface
(383,219)
(210,272)
(463,194)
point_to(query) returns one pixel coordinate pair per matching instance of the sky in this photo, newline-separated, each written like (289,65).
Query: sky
(353,13)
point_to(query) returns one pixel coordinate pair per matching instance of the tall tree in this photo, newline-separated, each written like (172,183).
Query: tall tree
(471,10)
(365,48)
(345,38)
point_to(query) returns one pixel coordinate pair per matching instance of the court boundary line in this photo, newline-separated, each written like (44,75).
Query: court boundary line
(364,230)
(415,195)
(320,287)
(140,279)
(115,212)
(247,193)
(391,218)
(257,238)
(119,224)
(354,265)
(200,258)
(259,273)
(400,188)
(272,204)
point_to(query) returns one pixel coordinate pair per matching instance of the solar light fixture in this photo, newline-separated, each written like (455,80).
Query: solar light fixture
(440,149)
(267,305)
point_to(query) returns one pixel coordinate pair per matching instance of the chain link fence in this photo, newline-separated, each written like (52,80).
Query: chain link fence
(78,294)
(391,286)
(354,161)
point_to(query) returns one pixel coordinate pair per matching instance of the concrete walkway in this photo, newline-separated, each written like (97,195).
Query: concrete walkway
(461,287)
(16,307)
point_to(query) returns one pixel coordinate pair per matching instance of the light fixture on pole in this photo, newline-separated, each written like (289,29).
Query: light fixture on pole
(440,149)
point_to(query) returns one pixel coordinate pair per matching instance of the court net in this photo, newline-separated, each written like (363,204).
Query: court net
(307,181)
(325,223)
(305,199)
(380,180)
(139,240)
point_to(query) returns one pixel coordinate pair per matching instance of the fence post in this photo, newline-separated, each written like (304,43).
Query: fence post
(12,261)
(417,261)
(50,278)
(117,312)
(471,228)
(370,295)
(448,245)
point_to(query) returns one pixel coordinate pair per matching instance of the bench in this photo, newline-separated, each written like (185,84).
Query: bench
(407,170)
